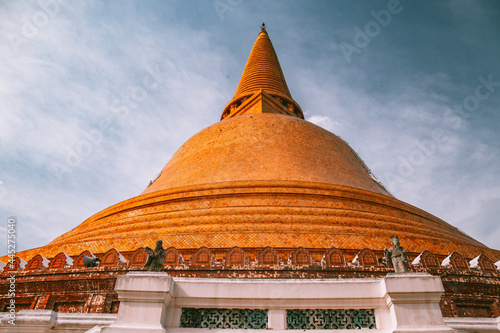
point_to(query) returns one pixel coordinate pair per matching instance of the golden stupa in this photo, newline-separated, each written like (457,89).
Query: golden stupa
(264,176)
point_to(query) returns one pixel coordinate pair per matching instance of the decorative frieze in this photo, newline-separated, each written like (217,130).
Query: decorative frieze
(224,318)
(330,319)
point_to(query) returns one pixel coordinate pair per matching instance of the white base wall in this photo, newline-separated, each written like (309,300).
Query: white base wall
(152,303)
(38,321)
(479,325)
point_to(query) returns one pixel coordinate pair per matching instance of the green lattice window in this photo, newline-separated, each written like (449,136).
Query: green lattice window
(224,318)
(330,319)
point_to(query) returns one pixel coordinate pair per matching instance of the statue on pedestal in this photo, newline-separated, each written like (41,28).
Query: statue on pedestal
(396,256)
(156,257)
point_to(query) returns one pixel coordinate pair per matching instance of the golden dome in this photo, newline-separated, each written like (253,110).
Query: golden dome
(265,147)
(264,177)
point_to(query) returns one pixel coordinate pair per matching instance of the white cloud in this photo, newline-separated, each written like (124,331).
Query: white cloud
(326,122)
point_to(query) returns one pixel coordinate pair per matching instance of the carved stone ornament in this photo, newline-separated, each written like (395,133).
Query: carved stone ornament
(156,257)
(91,261)
(396,256)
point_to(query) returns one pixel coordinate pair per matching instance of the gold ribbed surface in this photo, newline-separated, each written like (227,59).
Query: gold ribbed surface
(256,214)
(265,147)
(262,70)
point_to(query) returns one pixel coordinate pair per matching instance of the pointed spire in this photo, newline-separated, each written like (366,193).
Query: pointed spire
(263,73)
(263,70)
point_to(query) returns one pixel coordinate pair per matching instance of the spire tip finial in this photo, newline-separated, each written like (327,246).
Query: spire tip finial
(263,27)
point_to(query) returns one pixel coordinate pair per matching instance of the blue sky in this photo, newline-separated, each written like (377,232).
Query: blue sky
(95,97)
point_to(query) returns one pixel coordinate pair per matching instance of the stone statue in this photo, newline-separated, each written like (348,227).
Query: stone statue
(396,256)
(156,257)
(91,261)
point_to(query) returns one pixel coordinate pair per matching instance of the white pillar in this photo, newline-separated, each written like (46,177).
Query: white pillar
(276,320)
(144,297)
(413,300)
